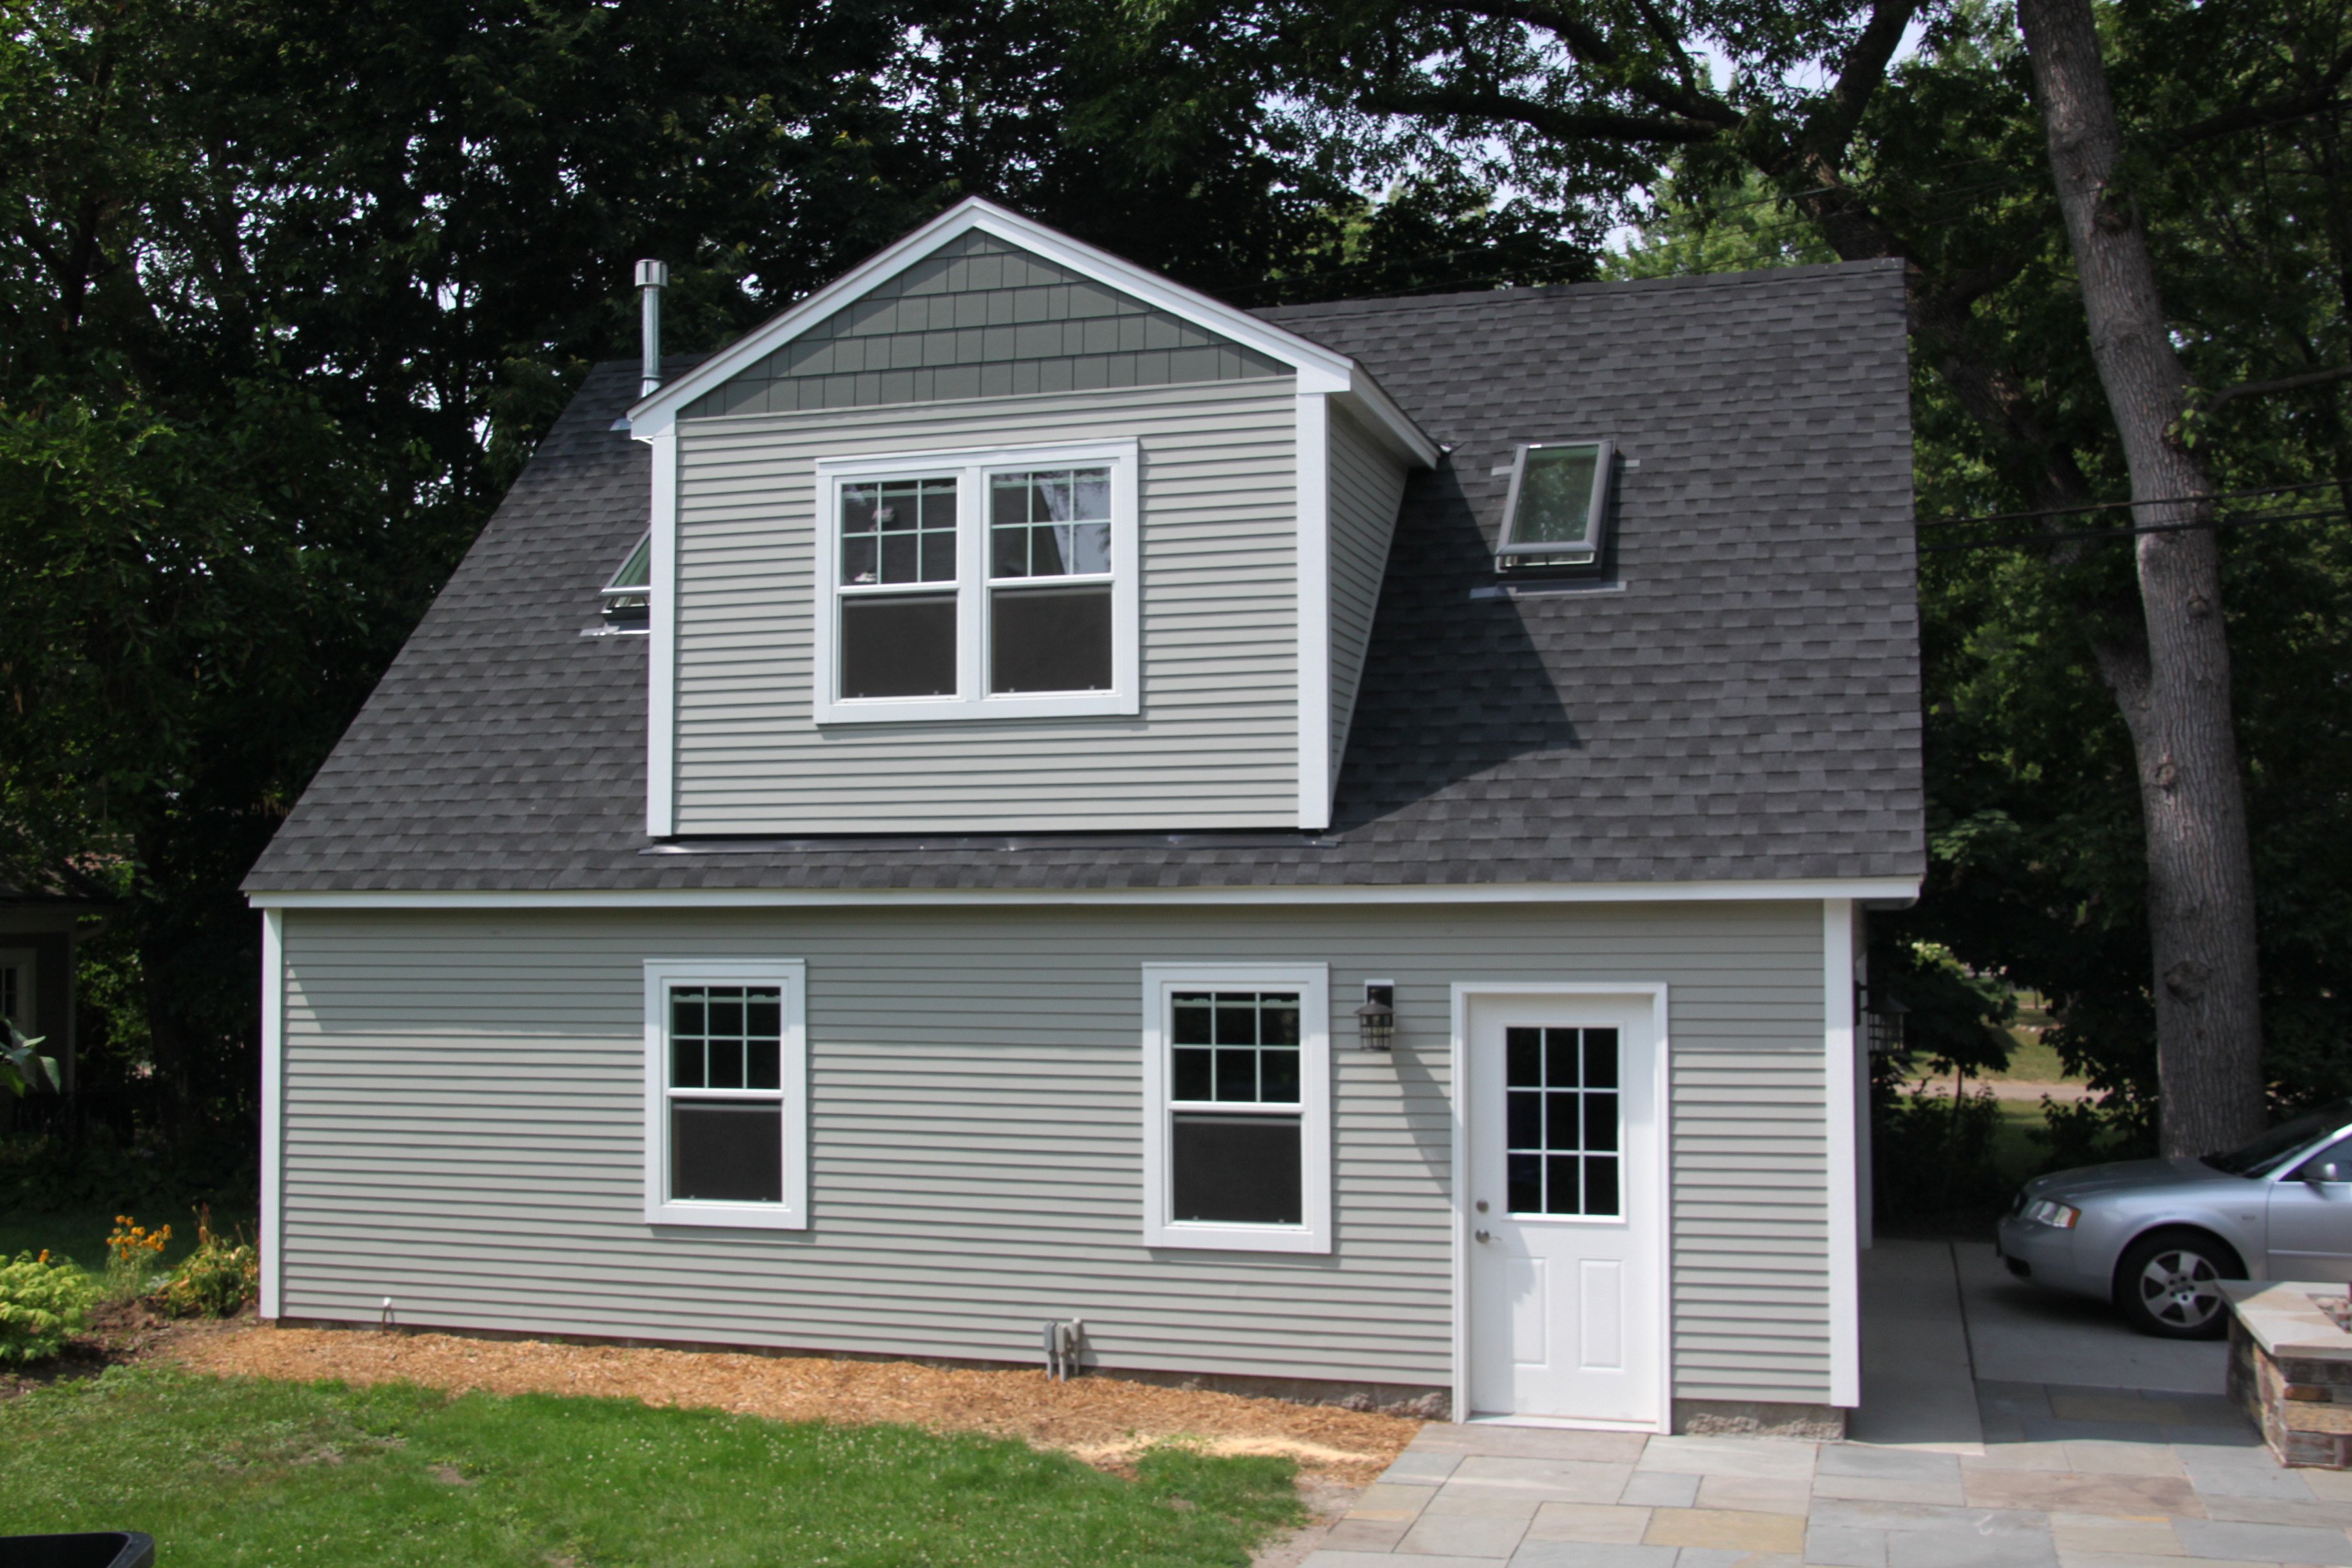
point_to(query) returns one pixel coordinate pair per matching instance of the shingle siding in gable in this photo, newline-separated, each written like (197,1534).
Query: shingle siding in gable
(979,317)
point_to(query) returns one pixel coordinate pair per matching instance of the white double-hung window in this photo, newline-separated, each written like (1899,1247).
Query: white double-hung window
(726,1093)
(977,584)
(1238,1107)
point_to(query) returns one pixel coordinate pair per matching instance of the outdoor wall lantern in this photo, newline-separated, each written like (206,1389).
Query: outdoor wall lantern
(1881,1023)
(1376,1019)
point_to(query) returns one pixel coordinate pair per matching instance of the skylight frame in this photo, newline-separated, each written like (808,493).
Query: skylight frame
(1510,557)
(628,605)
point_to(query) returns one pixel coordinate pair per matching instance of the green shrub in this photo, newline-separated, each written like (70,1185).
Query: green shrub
(41,1305)
(216,1280)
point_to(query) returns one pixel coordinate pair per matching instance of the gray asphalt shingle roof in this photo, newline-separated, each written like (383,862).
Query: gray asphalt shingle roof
(1745,706)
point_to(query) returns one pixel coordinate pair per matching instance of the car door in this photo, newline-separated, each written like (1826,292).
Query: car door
(2311,1219)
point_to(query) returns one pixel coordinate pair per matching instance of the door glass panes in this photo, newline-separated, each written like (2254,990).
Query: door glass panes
(1230,1054)
(898,531)
(726,1038)
(1563,1133)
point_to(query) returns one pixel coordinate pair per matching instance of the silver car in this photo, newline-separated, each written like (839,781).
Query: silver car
(2154,1236)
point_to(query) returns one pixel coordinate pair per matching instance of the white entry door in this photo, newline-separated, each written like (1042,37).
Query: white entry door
(1565,1233)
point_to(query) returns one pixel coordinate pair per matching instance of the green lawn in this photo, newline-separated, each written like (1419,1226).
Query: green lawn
(248,1472)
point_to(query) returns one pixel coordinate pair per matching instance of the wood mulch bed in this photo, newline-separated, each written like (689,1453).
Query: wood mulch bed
(1104,1421)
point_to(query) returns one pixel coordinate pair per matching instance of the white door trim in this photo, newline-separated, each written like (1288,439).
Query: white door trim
(1464,993)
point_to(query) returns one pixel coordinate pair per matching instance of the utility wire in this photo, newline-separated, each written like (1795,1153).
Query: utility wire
(2113,505)
(2111,534)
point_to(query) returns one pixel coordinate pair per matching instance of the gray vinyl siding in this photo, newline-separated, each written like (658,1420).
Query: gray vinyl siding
(979,317)
(1367,487)
(463,1132)
(1215,744)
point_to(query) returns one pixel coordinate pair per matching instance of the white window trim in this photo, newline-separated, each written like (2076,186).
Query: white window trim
(1313,984)
(973,698)
(791,975)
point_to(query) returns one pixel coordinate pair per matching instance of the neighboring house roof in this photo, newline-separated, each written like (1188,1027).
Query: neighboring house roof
(1744,707)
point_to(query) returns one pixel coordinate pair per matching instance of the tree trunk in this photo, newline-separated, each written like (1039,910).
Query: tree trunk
(2173,684)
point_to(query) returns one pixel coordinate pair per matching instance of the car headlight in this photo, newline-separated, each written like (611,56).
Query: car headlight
(2050,1212)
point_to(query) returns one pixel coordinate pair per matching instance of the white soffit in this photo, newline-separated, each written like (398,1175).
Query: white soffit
(1318,369)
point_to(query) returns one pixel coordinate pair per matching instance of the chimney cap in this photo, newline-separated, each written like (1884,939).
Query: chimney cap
(653,275)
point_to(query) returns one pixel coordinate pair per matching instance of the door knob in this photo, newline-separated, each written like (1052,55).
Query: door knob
(1482,1205)
(1481,1234)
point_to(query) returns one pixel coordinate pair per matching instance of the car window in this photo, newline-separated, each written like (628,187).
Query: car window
(2269,1151)
(2339,1152)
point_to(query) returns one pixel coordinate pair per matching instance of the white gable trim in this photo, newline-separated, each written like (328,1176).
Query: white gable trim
(1318,369)
(1877,890)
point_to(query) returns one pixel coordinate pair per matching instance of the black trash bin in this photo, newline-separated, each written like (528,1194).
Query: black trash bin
(90,1549)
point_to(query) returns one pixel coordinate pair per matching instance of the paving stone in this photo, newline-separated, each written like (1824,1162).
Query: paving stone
(1579,1554)
(2264,1542)
(2014,1548)
(1886,1464)
(1354,1534)
(2098,1458)
(2334,1486)
(1461,1500)
(2019,1456)
(1349,1559)
(2140,1560)
(2280,1511)
(1946,1493)
(1724,1528)
(2104,1405)
(2099,1534)
(1755,1494)
(1663,1489)
(1598,1523)
(1841,1547)
(1730,1457)
(1551,1480)
(1530,1442)
(1387,1501)
(2238,1472)
(1463,1535)
(2068,1493)
(1421,1467)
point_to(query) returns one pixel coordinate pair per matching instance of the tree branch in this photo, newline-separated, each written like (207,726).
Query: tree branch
(2270,111)
(1567,125)
(1833,122)
(1591,46)
(2284,383)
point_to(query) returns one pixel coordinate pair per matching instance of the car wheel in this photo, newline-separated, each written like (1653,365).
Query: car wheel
(2168,1284)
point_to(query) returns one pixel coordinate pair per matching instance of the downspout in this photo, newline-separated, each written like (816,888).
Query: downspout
(653,277)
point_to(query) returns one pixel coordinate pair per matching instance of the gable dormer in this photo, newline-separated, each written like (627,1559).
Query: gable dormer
(999,533)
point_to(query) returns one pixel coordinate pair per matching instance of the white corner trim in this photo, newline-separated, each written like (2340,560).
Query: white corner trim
(1839,1110)
(1890,889)
(273,1112)
(1313,983)
(791,975)
(1313,569)
(661,667)
(1655,993)
(970,467)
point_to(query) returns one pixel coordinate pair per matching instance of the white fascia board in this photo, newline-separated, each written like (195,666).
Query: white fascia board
(1313,432)
(1318,369)
(1394,427)
(1132,898)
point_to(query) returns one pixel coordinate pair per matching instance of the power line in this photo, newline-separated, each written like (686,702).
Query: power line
(2112,505)
(2108,535)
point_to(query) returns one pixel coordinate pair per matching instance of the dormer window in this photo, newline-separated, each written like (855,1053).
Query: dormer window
(978,584)
(1558,506)
(627,605)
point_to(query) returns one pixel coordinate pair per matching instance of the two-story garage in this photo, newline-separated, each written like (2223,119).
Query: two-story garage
(1325,846)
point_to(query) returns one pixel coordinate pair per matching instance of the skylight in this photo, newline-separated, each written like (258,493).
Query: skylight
(1559,503)
(627,597)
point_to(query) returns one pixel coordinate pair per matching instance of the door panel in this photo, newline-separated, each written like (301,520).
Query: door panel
(1566,1275)
(2311,1224)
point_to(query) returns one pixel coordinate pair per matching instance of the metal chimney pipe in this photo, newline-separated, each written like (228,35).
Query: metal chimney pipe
(653,277)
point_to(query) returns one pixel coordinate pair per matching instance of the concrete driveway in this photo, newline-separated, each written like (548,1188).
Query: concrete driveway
(1999,1426)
